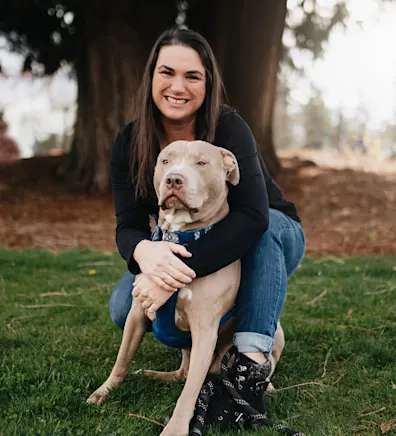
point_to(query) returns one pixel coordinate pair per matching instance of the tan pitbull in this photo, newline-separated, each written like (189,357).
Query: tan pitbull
(190,182)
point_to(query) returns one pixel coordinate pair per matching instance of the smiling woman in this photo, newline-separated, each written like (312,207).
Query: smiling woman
(179,98)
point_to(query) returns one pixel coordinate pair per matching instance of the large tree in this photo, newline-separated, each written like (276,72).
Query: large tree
(115,39)
(108,42)
(247,40)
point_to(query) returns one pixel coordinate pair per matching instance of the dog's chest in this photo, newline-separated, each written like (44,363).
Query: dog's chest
(171,324)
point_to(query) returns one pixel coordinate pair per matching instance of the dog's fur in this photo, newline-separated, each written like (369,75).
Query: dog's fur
(190,182)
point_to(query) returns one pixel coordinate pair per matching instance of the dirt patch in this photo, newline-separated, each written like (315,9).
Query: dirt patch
(344,211)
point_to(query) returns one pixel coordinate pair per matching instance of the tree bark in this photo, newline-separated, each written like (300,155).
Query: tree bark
(116,37)
(246,38)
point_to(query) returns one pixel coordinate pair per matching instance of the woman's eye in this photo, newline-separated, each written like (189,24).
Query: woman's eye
(201,163)
(166,73)
(192,77)
(164,161)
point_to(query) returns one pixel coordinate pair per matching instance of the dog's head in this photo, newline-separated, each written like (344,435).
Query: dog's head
(192,175)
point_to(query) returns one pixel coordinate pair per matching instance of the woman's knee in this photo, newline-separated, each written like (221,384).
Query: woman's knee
(283,241)
(118,315)
(286,236)
(121,300)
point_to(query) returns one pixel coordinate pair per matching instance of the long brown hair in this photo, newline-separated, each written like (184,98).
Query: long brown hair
(148,130)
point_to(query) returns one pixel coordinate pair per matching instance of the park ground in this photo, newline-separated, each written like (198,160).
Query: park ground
(347,205)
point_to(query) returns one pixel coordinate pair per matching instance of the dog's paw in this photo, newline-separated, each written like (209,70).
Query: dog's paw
(97,397)
(270,388)
(173,430)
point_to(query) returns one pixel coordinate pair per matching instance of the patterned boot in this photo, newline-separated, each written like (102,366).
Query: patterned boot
(221,398)
(236,398)
(250,380)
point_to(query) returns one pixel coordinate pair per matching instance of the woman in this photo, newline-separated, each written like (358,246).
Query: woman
(180,98)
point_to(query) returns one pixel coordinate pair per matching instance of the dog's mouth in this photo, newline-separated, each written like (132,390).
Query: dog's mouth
(172,201)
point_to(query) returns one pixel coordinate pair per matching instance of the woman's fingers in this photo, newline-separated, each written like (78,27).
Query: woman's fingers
(174,278)
(146,304)
(150,315)
(163,284)
(179,249)
(177,274)
(153,308)
(186,274)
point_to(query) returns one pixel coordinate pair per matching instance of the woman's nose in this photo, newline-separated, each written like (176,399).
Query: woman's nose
(178,84)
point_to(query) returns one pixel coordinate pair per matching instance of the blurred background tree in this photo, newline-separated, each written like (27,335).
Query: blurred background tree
(316,119)
(108,42)
(8,148)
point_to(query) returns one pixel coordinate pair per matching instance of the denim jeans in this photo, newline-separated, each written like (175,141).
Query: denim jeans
(262,292)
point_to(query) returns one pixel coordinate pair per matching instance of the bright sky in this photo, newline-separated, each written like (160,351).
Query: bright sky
(358,69)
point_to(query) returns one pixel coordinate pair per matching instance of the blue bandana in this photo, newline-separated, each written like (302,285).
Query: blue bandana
(164,327)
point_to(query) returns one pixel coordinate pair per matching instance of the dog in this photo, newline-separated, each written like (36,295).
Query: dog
(190,181)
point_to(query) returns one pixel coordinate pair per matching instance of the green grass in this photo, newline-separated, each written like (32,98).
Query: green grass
(340,349)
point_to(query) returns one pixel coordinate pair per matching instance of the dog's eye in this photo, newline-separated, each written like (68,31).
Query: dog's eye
(201,163)
(164,161)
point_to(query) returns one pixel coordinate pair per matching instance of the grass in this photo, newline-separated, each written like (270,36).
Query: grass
(337,375)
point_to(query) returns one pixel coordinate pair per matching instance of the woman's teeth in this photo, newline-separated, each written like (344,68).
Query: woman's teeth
(176,101)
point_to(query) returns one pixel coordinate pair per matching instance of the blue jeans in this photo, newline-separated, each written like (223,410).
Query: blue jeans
(262,292)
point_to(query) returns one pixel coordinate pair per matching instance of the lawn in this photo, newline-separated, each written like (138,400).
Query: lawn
(337,375)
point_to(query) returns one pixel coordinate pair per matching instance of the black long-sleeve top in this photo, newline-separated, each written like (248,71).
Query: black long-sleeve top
(229,239)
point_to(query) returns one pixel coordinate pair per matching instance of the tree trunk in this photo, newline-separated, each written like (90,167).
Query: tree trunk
(116,37)
(246,37)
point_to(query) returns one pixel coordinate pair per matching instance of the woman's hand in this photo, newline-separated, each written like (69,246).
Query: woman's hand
(151,296)
(158,261)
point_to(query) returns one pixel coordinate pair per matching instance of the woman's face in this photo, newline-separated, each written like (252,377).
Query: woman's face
(179,83)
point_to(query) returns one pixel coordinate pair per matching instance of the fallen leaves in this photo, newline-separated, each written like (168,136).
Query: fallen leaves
(390,426)
(344,212)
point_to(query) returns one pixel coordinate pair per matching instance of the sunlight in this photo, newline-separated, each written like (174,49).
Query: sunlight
(358,70)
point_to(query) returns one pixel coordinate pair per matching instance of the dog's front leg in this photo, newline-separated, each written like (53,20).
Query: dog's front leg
(135,327)
(203,345)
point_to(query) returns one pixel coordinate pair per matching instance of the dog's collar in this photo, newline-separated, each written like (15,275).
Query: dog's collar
(181,238)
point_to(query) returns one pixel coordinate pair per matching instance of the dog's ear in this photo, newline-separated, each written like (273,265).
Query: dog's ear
(230,164)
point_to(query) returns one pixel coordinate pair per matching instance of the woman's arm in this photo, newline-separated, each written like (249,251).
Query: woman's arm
(132,218)
(248,219)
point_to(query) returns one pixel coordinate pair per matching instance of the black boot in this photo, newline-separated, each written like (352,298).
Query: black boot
(236,398)
(241,385)
(250,380)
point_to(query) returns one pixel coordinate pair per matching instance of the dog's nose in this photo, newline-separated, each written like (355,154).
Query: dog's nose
(175,181)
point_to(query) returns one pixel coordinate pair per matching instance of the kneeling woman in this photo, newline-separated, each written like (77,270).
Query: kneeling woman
(180,98)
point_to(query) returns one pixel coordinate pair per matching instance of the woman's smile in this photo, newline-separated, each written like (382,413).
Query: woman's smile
(176,101)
